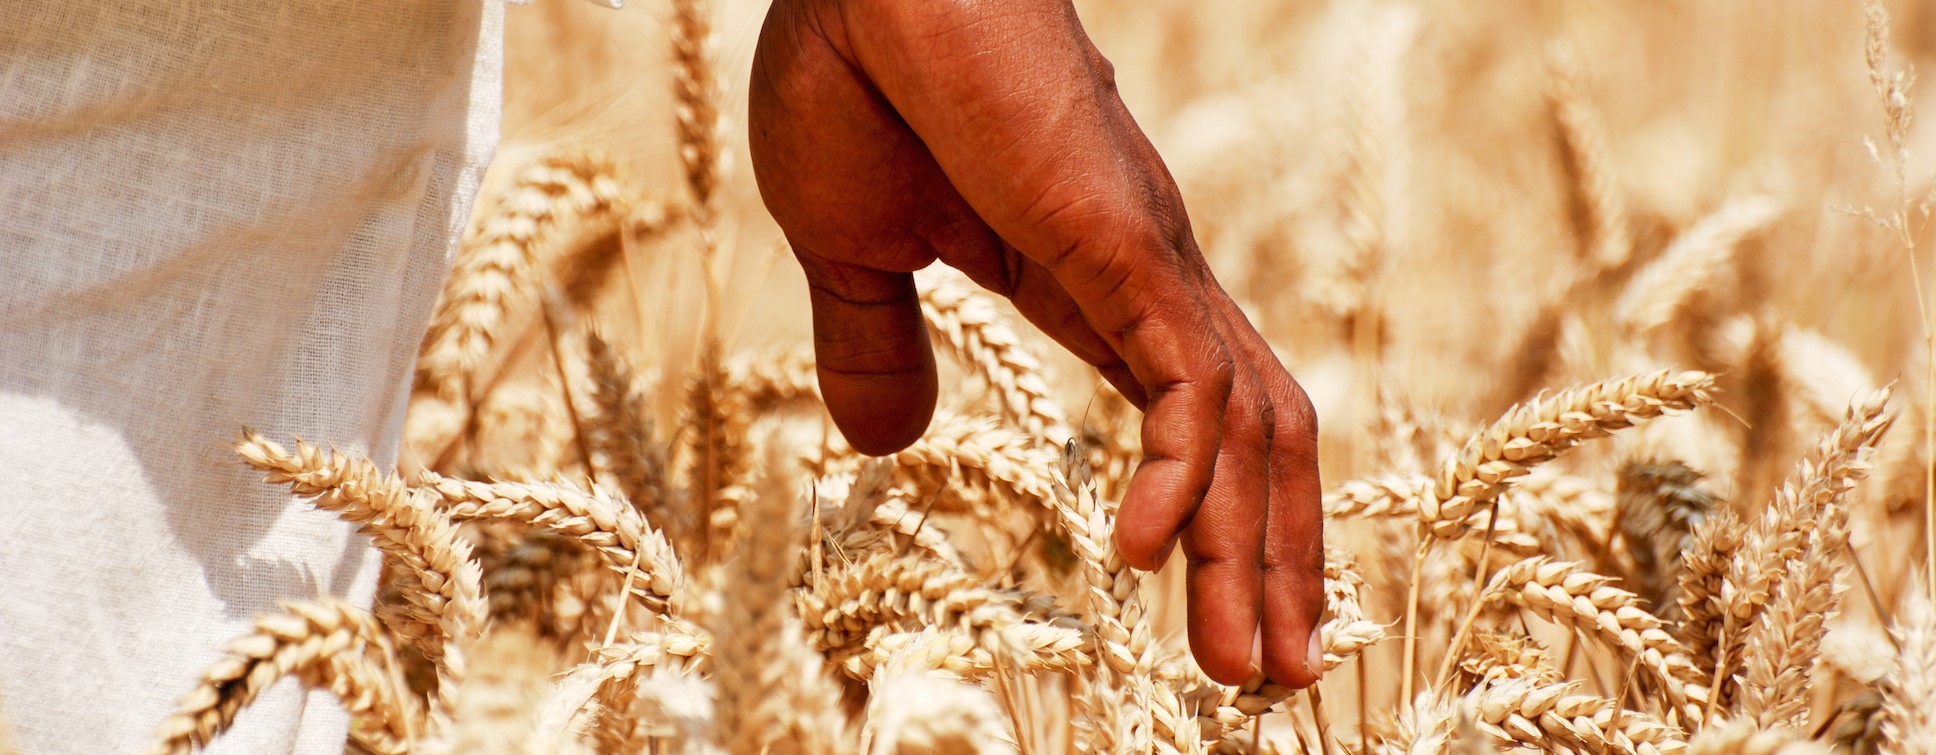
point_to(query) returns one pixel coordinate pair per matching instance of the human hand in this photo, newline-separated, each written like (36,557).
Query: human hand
(988,134)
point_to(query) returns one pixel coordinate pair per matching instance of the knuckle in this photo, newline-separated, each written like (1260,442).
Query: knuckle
(1220,375)
(1299,415)
(1103,70)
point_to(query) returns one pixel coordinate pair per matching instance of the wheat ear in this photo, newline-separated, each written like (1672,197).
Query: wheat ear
(1909,698)
(500,260)
(771,687)
(885,588)
(1779,655)
(695,95)
(1808,506)
(612,528)
(1570,596)
(1743,738)
(1542,429)
(445,599)
(621,434)
(1690,263)
(1658,504)
(912,708)
(716,426)
(498,707)
(1530,434)
(325,645)
(965,322)
(1059,645)
(766,382)
(974,461)
(1556,717)
(1596,208)
(1124,640)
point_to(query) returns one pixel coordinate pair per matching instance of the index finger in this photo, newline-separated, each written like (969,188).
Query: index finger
(1021,112)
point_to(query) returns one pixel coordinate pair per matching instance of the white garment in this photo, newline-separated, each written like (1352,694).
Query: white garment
(213,213)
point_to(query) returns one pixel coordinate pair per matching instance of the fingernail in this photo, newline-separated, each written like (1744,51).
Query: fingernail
(1257,652)
(1314,653)
(1163,554)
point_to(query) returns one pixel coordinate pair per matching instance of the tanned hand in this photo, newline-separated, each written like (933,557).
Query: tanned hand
(988,134)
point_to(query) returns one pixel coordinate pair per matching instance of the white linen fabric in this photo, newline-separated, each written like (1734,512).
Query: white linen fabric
(213,214)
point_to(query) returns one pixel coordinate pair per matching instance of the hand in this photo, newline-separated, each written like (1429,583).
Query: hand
(887,134)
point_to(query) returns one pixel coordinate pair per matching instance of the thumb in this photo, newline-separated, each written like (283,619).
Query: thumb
(876,370)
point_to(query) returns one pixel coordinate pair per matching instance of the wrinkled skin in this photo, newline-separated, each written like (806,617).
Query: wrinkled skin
(887,134)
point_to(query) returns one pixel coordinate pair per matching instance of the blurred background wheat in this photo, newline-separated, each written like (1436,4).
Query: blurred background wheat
(1479,234)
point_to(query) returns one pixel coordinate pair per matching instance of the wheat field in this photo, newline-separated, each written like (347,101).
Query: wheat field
(1617,317)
